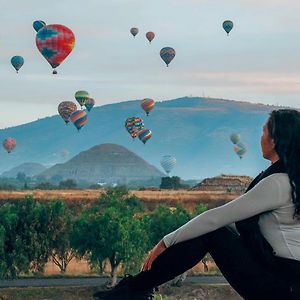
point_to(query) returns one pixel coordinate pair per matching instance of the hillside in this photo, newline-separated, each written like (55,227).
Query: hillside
(29,169)
(194,130)
(105,164)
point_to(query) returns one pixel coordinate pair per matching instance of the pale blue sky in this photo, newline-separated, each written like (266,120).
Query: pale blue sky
(259,62)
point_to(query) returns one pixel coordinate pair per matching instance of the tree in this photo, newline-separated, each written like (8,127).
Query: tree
(67,184)
(26,244)
(112,230)
(21,176)
(45,186)
(172,183)
(60,227)
(200,208)
(163,220)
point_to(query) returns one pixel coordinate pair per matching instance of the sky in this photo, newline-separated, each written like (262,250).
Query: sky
(259,62)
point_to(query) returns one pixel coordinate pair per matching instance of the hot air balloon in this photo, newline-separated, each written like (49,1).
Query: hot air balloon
(133,125)
(9,144)
(65,109)
(134,31)
(227,26)
(89,104)
(168,162)
(17,62)
(82,97)
(55,42)
(147,105)
(144,135)
(79,118)
(37,25)
(150,36)
(65,153)
(167,54)
(235,137)
(240,149)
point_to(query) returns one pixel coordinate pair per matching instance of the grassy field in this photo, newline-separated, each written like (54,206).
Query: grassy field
(186,292)
(189,199)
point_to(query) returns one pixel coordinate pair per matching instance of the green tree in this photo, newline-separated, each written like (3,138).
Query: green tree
(113,230)
(60,226)
(67,184)
(199,209)
(173,182)
(21,176)
(25,246)
(45,186)
(163,220)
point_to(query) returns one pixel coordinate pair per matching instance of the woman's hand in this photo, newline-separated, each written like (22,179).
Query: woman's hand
(156,251)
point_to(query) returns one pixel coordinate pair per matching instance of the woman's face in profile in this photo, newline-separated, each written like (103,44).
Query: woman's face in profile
(267,143)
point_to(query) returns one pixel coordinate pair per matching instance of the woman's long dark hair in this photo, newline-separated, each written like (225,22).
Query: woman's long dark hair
(284,129)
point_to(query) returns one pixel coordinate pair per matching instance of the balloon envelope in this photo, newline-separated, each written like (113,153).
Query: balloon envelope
(17,62)
(39,24)
(9,144)
(150,36)
(235,137)
(227,26)
(55,42)
(167,54)
(89,103)
(168,162)
(65,109)
(65,153)
(147,105)
(133,125)
(144,135)
(134,31)
(79,118)
(82,97)
(240,149)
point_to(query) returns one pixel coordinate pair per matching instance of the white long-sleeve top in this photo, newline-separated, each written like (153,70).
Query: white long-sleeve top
(272,197)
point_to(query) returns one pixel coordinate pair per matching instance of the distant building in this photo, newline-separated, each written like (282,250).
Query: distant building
(225,183)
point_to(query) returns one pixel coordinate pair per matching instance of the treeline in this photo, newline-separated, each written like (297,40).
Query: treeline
(56,182)
(116,229)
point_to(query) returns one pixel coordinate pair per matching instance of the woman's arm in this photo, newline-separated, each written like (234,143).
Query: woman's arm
(265,196)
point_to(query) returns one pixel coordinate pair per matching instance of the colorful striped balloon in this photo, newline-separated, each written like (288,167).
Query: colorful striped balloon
(9,144)
(81,97)
(55,42)
(147,105)
(133,125)
(168,162)
(240,149)
(144,135)
(79,118)
(89,104)
(65,109)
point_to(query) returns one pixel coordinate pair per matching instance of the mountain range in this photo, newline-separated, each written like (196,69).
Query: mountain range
(195,130)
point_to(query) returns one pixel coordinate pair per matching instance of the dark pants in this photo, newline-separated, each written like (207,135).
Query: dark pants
(249,276)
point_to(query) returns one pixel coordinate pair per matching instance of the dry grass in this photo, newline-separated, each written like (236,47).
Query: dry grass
(189,199)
